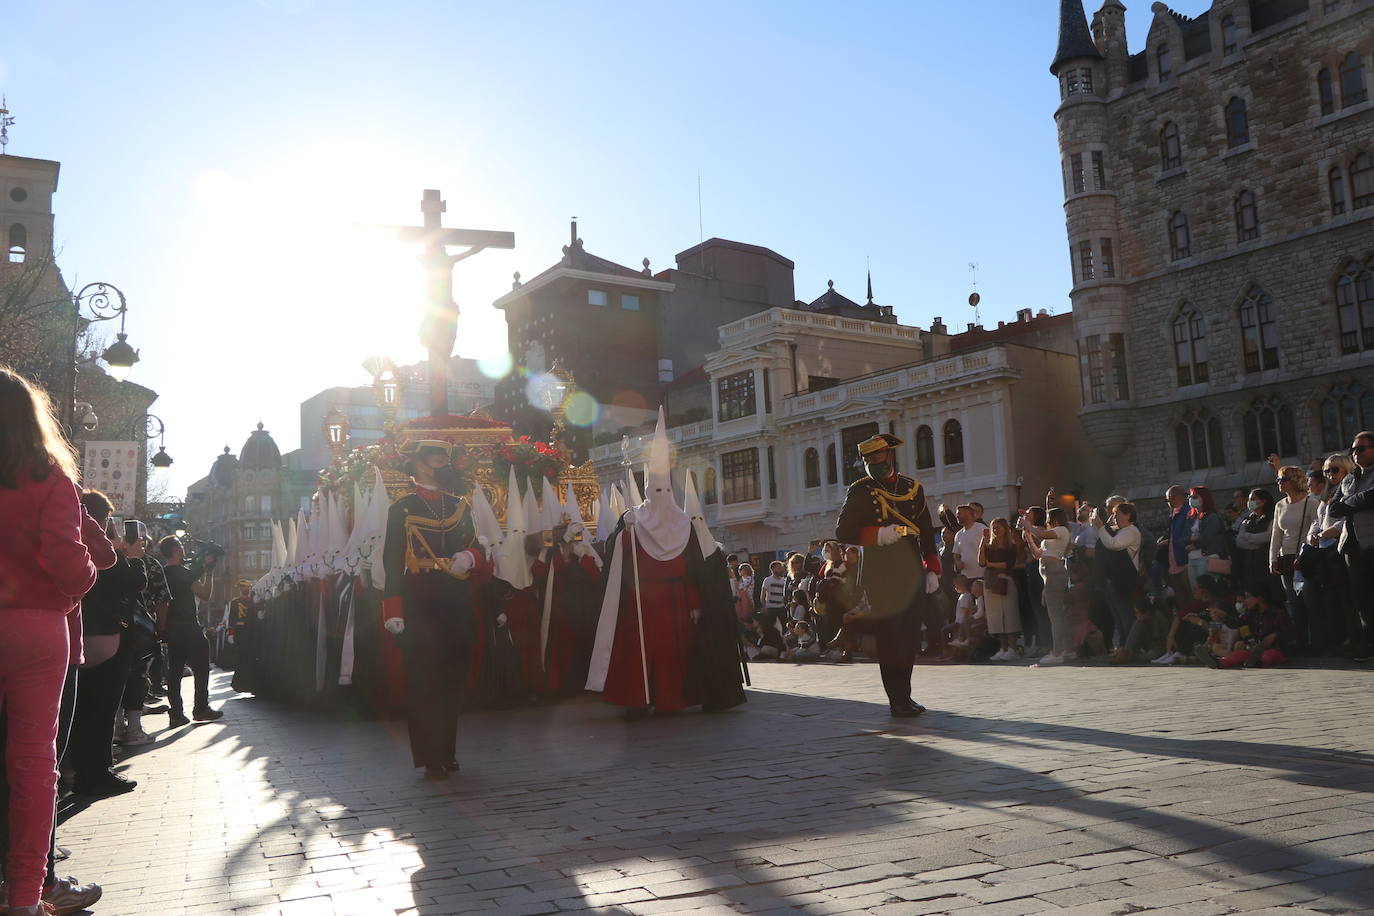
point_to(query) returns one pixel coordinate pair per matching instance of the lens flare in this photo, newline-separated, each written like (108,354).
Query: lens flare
(582,409)
(495,367)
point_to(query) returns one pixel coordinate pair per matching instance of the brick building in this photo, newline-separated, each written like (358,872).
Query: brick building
(1219,198)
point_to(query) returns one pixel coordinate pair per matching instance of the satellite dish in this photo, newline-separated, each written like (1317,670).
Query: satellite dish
(974,299)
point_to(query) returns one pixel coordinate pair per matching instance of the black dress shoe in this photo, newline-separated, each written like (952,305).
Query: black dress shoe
(105,786)
(436,773)
(452,767)
(905,712)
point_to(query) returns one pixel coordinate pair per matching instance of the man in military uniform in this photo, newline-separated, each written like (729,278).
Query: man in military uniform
(885,514)
(236,623)
(431,556)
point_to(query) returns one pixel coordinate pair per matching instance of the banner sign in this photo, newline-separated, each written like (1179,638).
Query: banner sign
(112,468)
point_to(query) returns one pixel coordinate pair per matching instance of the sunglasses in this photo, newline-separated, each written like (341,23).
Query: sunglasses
(1332,472)
(1360,447)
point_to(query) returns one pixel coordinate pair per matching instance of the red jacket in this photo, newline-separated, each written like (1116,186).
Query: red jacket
(44,564)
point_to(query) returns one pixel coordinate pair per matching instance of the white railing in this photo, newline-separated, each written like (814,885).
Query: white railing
(796,319)
(941,372)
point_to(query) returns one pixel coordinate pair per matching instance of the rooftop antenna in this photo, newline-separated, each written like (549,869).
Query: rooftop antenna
(5,121)
(973,297)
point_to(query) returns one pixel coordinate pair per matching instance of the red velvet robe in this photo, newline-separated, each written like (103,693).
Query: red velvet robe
(668,600)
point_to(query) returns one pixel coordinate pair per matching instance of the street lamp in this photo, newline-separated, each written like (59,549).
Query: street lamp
(153,426)
(104,301)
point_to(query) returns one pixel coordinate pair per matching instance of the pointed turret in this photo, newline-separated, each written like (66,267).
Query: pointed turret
(1075,40)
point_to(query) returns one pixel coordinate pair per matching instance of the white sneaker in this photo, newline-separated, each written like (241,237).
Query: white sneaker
(1168,658)
(1001,656)
(70,896)
(1052,659)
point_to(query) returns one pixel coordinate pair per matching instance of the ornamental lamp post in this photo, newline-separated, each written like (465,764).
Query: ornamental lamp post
(104,301)
(153,426)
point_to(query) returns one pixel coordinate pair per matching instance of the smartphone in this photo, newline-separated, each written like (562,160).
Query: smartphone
(132,530)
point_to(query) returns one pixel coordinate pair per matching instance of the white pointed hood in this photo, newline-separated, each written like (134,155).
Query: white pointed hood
(605,516)
(484,517)
(617,504)
(550,508)
(691,504)
(661,527)
(292,543)
(379,508)
(572,510)
(511,564)
(632,494)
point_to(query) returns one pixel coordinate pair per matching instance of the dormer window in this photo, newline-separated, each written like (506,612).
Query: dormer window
(1164,64)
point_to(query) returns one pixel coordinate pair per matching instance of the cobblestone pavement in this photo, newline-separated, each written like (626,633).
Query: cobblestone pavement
(1077,790)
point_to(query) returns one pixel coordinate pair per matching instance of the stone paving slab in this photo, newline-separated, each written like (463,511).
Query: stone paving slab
(1069,790)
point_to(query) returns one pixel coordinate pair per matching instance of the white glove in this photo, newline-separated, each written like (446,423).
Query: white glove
(629,519)
(887,535)
(575,530)
(581,549)
(462,563)
(501,620)
(395,626)
(696,615)
(229,639)
(932,583)
(484,543)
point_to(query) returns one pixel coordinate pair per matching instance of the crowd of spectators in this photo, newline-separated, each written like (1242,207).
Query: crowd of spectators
(1272,575)
(87,604)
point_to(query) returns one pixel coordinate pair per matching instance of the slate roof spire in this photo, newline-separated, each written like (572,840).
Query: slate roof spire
(1075,39)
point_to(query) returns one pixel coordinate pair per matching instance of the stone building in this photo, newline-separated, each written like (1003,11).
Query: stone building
(234,506)
(984,416)
(635,339)
(1219,199)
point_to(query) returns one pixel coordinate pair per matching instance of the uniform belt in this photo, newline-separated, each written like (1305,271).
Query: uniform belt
(425,565)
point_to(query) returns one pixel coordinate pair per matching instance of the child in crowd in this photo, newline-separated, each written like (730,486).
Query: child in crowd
(801,606)
(744,592)
(761,640)
(801,643)
(970,620)
(1263,629)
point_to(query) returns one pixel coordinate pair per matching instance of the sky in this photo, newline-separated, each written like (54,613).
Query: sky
(222,162)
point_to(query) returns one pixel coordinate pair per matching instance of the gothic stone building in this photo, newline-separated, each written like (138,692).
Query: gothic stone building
(1219,196)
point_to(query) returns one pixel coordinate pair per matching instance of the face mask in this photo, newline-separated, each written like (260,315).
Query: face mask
(1240,605)
(879,470)
(1253,505)
(1195,502)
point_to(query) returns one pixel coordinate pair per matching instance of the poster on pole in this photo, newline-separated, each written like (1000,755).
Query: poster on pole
(112,468)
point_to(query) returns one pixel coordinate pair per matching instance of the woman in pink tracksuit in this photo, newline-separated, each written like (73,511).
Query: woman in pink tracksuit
(44,570)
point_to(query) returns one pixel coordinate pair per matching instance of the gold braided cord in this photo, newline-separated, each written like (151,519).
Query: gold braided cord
(415,525)
(886,501)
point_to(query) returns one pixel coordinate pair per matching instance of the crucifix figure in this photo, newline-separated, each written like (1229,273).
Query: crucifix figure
(439,328)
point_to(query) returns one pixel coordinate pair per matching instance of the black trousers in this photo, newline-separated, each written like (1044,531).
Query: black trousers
(1360,562)
(436,643)
(899,639)
(186,645)
(102,689)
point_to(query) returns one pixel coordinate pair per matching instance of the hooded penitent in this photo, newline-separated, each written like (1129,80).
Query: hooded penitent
(511,562)
(691,505)
(661,527)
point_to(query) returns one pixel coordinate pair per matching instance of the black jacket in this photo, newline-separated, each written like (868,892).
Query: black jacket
(108,608)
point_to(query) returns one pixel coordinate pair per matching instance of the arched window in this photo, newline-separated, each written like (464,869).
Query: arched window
(1326,92)
(19,243)
(1353,90)
(1335,181)
(1237,122)
(954,442)
(1170,147)
(812,462)
(1269,430)
(832,467)
(1164,64)
(1180,240)
(1197,438)
(925,447)
(1259,331)
(1190,346)
(1362,182)
(1230,35)
(1247,216)
(1347,410)
(1355,307)
(708,494)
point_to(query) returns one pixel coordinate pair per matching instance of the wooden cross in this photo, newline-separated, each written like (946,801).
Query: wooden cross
(439,329)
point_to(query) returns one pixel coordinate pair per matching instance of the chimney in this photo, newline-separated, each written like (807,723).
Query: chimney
(973,327)
(1023,315)
(1001,325)
(938,326)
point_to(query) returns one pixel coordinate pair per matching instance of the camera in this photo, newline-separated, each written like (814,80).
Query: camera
(201,555)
